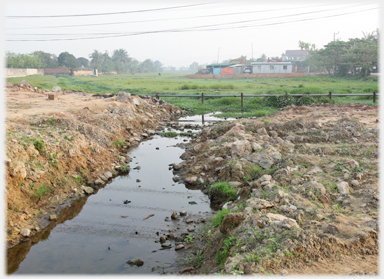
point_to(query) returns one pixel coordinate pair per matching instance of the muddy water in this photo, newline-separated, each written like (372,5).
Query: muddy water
(100,233)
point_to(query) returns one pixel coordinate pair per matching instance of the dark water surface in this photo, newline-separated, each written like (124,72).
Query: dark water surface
(99,234)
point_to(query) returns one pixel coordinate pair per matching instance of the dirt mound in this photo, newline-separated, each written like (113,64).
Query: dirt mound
(56,147)
(306,180)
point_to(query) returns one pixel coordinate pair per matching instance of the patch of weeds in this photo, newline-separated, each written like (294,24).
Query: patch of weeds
(195,259)
(252,258)
(39,144)
(223,253)
(53,160)
(41,190)
(189,238)
(118,143)
(250,172)
(125,168)
(69,138)
(169,134)
(225,189)
(219,217)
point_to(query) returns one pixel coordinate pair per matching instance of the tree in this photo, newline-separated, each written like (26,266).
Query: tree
(47,60)
(22,60)
(108,66)
(311,48)
(97,59)
(157,66)
(146,66)
(68,60)
(83,62)
(262,58)
(194,67)
(121,60)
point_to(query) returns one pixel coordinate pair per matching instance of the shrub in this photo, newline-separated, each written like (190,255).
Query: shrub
(307,90)
(118,143)
(279,102)
(305,100)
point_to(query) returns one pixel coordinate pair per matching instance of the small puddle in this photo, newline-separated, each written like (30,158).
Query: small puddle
(204,119)
(100,233)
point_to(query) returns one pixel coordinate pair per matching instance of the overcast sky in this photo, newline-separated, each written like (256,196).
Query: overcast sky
(178,36)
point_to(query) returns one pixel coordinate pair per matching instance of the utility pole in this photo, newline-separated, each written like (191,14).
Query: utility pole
(218,51)
(334,34)
(252,52)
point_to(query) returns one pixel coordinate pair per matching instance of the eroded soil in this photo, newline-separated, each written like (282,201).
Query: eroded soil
(307,185)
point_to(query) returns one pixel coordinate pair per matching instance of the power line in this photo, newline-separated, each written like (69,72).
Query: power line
(168,19)
(191,29)
(195,27)
(115,13)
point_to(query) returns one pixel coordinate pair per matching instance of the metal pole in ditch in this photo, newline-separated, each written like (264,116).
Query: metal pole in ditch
(374,96)
(242,103)
(202,98)
(157,96)
(330,95)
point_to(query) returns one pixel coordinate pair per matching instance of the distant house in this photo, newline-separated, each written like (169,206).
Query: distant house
(296,57)
(216,68)
(271,67)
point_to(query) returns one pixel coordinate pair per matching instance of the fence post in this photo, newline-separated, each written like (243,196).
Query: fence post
(374,96)
(202,98)
(157,96)
(242,103)
(330,95)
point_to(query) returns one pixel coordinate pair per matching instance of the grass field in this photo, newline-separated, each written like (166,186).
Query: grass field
(172,84)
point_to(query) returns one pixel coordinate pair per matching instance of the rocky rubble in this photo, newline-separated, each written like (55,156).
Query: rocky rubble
(306,189)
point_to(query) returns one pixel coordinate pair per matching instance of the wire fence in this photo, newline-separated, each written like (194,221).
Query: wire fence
(242,96)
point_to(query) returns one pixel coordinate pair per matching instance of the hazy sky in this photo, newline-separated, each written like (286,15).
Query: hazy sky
(178,36)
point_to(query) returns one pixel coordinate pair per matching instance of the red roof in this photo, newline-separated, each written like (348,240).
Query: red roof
(294,52)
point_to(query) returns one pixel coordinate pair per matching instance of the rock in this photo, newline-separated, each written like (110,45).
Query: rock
(262,131)
(177,166)
(191,179)
(170,236)
(174,215)
(88,190)
(343,187)
(183,213)
(323,199)
(166,245)
(25,83)
(163,239)
(52,217)
(353,164)
(284,272)
(282,221)
(355,183)
(240,148)
(122,96)
(98,182)
(265,177)
(188,221)
(191,229)
(187,270)
(136,262)
(259,203)
(176,179)
(230,221)
(180,246)
(315,187)
(108,175)
(25,232)
(56,88)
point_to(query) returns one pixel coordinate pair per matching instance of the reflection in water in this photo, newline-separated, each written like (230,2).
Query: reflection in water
(17,254)
(106,233)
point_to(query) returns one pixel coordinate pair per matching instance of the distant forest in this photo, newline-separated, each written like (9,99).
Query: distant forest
(359,55)
(119,62)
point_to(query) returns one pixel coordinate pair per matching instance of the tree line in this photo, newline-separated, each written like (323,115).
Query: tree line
(119,62)
(342,58)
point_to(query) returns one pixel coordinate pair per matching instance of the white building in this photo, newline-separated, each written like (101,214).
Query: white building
(271,67)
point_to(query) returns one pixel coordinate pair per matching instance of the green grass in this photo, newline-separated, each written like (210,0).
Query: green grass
(225,189)
(174,84)
(218,218)
(169,134)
